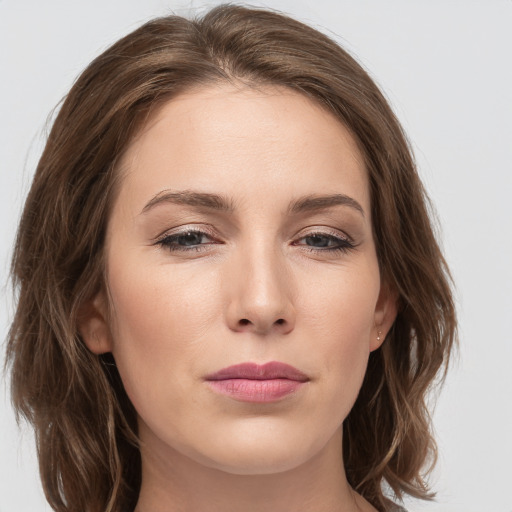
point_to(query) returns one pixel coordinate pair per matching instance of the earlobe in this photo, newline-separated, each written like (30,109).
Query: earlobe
(385,314)
(93,326)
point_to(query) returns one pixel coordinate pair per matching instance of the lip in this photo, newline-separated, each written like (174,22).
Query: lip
(251,382)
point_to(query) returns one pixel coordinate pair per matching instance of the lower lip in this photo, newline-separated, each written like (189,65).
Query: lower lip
(257,391)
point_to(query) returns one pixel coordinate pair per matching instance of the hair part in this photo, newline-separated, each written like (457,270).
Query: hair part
(86,427)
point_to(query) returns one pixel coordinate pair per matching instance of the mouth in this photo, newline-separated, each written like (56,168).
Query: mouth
(250,382)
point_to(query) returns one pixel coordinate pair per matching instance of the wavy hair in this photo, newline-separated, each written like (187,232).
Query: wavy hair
(85,425)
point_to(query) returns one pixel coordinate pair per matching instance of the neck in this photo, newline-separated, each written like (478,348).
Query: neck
(173,482)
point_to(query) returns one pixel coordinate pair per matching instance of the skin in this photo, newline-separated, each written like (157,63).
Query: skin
(260,285)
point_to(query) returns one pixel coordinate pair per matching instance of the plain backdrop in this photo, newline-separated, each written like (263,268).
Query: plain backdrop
(445,66)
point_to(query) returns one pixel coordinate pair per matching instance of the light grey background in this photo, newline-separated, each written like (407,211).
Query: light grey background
(446,68)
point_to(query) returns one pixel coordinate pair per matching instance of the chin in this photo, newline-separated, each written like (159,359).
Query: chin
(262,453)
(263,464)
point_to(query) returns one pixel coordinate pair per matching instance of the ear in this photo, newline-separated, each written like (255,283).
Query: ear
(93,325)
(386,310)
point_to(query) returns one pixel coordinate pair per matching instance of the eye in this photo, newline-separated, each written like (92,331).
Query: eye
(189,240)
(322,242)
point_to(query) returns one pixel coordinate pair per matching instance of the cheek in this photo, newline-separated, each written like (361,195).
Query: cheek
(341,320)
(159,324)
(342,301)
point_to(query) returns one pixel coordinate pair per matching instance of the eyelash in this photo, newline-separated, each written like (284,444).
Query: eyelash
(168,242)
(343,245)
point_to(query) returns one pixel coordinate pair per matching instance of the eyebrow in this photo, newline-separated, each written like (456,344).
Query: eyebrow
(308,203)
(313,202)
(191,198)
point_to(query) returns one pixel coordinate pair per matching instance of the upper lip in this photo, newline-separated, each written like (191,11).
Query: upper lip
(254,371)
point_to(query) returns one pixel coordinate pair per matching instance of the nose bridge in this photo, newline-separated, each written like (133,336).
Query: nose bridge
(262,293)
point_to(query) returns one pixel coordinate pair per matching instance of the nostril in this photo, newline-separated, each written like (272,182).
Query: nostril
(244,323)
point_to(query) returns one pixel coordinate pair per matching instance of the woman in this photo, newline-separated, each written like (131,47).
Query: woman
(230,294)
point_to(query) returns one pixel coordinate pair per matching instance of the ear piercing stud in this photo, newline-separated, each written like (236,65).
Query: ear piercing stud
(378,335)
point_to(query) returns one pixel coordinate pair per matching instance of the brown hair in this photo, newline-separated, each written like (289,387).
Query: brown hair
(85,425)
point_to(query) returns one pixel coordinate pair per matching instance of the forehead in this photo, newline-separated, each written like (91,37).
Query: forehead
(240,140)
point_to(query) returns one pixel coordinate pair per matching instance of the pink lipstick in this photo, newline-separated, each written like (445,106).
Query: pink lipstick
(250,382)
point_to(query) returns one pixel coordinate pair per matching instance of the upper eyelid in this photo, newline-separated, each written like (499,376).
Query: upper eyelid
(325,231)
(182,231)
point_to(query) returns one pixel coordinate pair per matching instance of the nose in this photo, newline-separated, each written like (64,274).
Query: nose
(261,293)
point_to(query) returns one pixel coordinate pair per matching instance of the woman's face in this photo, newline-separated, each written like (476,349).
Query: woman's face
(241,234)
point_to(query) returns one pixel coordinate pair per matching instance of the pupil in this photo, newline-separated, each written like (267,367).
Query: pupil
(190,239)
(318,241)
